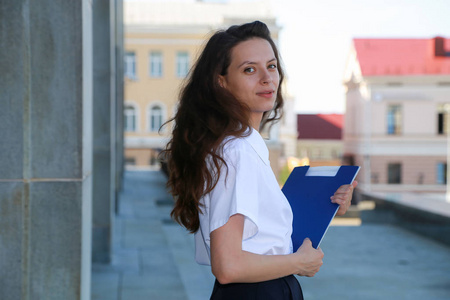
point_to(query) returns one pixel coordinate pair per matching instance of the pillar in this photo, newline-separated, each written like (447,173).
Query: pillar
(104,130)
(46,149)
(119,89)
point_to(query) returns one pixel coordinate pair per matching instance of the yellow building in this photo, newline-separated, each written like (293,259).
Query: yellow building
(162,40)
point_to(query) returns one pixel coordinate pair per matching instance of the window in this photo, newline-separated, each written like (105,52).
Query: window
(441,176)
(394,119)
(374,178)
(154,161)
(156,118)
(156,64)
(394,173)
(182,64)
(442,119)
(129,118)
(130,161)
(130,65)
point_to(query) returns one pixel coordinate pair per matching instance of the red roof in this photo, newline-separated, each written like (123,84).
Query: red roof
(403,56)
(320,126)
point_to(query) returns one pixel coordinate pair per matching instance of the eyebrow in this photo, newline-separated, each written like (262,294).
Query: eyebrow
(254,63)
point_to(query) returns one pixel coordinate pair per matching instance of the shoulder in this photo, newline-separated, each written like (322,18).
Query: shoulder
(251,145)
(237,147)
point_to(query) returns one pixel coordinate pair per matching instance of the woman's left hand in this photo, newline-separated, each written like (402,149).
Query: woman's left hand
(343,197)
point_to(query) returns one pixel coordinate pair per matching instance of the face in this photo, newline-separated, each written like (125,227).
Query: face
(253,77)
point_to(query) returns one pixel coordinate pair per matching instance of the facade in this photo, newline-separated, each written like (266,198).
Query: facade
(162,40)
(397,104)
(320,139)
(288,126)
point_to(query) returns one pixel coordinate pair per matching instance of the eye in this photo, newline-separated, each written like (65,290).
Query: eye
(249,70)
(272,66)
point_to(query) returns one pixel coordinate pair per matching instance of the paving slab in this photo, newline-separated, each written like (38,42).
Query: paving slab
(380,262)
(153,257)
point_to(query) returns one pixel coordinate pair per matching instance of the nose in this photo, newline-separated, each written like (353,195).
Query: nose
(265,77)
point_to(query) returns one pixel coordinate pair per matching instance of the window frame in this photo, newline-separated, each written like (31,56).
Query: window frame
(441,173)
(130,60)
(394,119)
(156,64)
(136,114)
(442,119)
(182,64)
(390,176)
(150,116)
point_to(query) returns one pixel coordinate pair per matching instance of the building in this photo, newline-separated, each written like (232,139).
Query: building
(319,139)
(162,40)
(288,126)
(397,107)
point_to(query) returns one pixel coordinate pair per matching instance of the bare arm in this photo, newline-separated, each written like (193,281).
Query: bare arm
(232,264)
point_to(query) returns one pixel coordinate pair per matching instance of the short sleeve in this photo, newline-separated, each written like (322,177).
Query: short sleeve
(236,191)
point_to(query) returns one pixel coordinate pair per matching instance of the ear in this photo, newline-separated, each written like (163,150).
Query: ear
(222,81)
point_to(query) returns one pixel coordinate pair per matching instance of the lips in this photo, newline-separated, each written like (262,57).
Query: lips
(266,94)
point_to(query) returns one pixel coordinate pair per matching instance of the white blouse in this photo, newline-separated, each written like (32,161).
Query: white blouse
(251,189)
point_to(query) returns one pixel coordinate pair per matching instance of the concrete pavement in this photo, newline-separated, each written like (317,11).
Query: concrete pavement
(154,257)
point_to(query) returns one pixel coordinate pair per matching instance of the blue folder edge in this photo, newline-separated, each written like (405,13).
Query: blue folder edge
(309,197)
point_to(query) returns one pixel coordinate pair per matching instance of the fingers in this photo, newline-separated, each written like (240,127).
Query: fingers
(310,259)
(344,189)
(343,194)
(307,242)
(343,197)
(312,267)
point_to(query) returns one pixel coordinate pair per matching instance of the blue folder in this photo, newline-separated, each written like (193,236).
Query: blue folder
(309,197)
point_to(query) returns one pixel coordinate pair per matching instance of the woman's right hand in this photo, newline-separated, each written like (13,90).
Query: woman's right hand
(308,259)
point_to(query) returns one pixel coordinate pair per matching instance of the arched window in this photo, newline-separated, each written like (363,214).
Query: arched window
(156,117)
(129,118)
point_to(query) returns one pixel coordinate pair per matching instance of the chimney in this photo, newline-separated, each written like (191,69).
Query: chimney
(439,47)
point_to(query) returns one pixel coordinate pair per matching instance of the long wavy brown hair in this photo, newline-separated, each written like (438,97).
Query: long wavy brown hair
(206,115)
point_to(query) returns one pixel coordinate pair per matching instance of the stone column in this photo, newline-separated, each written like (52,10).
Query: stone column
(104,130)
(119,51)
(46,149)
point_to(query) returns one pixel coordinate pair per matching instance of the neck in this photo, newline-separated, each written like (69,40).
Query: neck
(255,121)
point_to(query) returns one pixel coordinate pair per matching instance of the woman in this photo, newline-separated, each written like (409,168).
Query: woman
(220,175)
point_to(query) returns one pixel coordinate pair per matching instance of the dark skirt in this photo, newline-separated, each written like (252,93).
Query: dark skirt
(285,288)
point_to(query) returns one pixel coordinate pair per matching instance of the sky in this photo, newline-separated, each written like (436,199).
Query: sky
(316,37)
